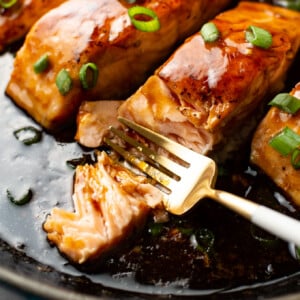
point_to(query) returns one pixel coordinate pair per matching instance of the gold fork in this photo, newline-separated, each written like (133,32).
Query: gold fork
(186,184)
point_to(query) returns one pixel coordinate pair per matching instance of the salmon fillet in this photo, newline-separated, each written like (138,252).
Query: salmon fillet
(277,166)
(79,32)
(16,21)
(208,96)
(110,204)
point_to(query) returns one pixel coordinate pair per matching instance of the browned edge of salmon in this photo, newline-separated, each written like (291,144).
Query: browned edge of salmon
(100,32)
(16,21)
(275,165)
(210,96)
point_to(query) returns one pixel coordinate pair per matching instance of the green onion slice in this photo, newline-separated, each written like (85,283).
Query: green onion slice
(63,82)
(88,75)
(155,229)
(285,141)
(258,37)
(264,238)
(297,250)
(41,64)
(210,32)
(186,231)
(291,4)
(144,25)
(28,135)
(8,3)
(295,158)
(286,102)
(85,159)
(21,201)
(205,239)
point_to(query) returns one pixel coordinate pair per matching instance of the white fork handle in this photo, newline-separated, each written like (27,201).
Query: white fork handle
(279,224)
(268,219)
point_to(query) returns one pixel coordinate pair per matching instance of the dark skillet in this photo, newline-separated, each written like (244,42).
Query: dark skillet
(161,261)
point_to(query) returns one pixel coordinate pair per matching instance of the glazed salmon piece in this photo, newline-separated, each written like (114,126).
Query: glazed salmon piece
(208,96)
(16,21)
(100,32)
(277,166)
(109,202)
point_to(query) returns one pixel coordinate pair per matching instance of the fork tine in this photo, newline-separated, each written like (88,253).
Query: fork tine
(180,151)
(162,178)
(168,165)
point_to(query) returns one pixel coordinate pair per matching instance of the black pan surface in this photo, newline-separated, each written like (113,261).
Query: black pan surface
(29,264)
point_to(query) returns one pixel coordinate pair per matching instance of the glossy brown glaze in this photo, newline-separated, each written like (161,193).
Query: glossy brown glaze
(213,88)
(101,32)
(271,162)
(164,260)
(16,21)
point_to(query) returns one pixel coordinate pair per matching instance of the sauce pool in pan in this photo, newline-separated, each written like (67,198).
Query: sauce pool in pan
(208,248)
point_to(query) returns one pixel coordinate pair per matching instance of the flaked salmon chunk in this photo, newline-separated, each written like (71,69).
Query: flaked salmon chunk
(94,119)
(110,203)
(277,166)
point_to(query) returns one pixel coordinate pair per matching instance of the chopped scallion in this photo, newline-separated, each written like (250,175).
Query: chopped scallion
(295,158)
(291,4)
(85,159)
(286,102)
(88,75)
(210,32)
(155,229)
(28,135)
(63,82)
(186,231)
(7,3)
(41,64)
(297,250)
(285,141)
(144,25)
(205,239)
(21,201)
(259,37)
(264,238)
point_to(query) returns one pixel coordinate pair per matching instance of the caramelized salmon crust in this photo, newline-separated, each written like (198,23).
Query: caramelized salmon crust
(110,203)
(100,32)
(16,21)
(209,96)
(277,166)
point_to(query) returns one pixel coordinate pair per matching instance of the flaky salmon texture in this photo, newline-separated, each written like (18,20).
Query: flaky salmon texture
(110,203)
(203,96)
